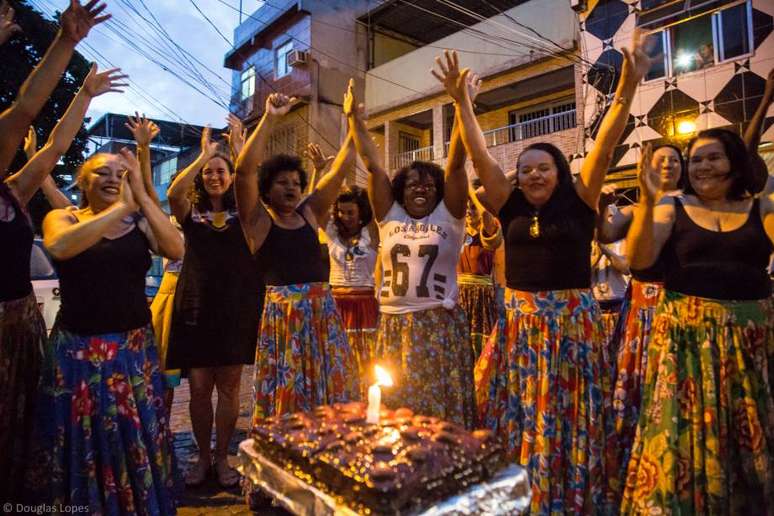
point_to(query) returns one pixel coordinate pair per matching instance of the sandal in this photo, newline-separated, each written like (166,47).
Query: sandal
(227,476)
(197,474)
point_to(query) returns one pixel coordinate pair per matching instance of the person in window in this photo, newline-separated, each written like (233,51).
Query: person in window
(705,57)
(633,331)
(352,245)
(705,437)
(540,377)
(475,272)
(102,435)
(303,357)
(216,306)
(423,335)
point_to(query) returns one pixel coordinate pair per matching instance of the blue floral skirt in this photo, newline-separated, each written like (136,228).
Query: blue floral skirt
(102,431)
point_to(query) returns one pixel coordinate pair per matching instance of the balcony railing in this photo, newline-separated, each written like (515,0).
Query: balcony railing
(403,159)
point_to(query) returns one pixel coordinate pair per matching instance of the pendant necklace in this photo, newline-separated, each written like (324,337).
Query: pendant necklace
(534,227)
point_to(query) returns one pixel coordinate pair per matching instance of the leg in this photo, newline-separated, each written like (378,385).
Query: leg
(201,381)
(227,380)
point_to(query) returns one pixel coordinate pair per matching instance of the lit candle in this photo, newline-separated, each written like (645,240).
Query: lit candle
(375,394)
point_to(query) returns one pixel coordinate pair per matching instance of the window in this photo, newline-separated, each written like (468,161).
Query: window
(281,64)
(248,83)
(537,122)
(701,42)
(164,171)
(407,142)
(282,141)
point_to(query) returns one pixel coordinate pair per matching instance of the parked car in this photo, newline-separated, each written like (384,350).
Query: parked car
(45,283)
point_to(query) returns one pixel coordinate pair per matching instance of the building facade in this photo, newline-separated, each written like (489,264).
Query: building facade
(304,49)
(530,83)
(711,59)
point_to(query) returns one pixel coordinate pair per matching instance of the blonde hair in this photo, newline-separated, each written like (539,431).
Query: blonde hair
(82,173)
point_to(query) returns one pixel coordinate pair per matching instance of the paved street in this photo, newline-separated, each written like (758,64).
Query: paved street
(211,499)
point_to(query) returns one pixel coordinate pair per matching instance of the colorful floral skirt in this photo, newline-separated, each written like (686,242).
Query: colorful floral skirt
(478,301)
(539,386)
(359,312)
(161,318)
(705,439)
(430,358)
(630,340)
(102,436)
(22,337)
(303,358)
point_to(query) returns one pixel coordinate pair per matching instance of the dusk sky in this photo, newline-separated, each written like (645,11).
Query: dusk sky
(189,30)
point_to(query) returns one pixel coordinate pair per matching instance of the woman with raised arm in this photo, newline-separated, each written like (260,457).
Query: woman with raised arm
(631,337)
(102,436)
(475,271)
(763,181)
(217,304)
(303,357)
(353,243)
(705,437)
(53,195)
(22,330)
(539,379)
(75,23)
(423,335)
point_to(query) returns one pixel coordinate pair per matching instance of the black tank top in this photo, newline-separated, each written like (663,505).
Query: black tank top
(653,274)
(103,288)
(728,265)
(291,256)
(16,236)
(560,257)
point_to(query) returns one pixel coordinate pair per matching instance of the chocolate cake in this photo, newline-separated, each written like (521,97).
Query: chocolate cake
(405,463)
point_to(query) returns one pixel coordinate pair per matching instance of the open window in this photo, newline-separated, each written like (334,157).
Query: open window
(281,60)
(247,81)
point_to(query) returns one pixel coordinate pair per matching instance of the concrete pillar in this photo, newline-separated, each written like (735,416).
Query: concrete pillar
(390,144)
(438,133)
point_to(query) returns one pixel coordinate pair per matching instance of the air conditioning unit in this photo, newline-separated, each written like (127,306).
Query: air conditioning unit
(298,57)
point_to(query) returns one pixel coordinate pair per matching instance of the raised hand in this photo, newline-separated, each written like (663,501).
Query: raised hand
(236,135)
(143,130)
(30,143)
(315,153)
(7,26)
(454,81)
(133,174)
(636,61)
(648,176)
(607,197)
(77,20)
(96,84)
(209,147)
(474,86)
(278,104)
(768,91)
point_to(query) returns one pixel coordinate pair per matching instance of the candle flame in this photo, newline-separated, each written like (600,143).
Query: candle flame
(382,376)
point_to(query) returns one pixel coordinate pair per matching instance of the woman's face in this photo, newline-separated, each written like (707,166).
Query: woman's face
(216,177)
(102,184)
(419,194)
(472,217)
(709,169)
(667,161)
(538,176)
(349,215)
(285,191)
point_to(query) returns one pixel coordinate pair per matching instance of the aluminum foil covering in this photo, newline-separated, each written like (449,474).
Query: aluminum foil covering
(508,492)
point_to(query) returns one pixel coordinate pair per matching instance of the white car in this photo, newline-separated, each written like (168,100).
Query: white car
(45,283)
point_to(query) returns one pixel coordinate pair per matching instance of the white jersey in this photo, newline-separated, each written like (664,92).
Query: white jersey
(350,266)
(419,260)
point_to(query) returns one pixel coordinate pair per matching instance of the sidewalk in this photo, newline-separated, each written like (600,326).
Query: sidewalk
(210,498)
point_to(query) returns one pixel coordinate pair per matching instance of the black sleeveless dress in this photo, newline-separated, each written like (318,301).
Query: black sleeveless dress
(219,295)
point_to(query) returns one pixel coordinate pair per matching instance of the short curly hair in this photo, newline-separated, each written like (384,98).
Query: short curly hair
(424,169)
(273,166)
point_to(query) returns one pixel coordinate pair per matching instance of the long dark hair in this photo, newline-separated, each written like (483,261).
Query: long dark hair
(199,196)
(742,176)
(564,175)
(360,198)
(424,169)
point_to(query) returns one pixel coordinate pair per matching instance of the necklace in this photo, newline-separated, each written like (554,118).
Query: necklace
(534,227)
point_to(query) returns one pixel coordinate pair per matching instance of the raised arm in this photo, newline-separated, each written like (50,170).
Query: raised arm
(592,176)
(65,237)
(144,131)
(752,136)
(324,194)
(497,187)
(251,209)
(651,224)
(379,186)
(319,162)
(26,182)
(235,136)
(178,190)
(53,195)
(164,238)
(7,26)
(76,22)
